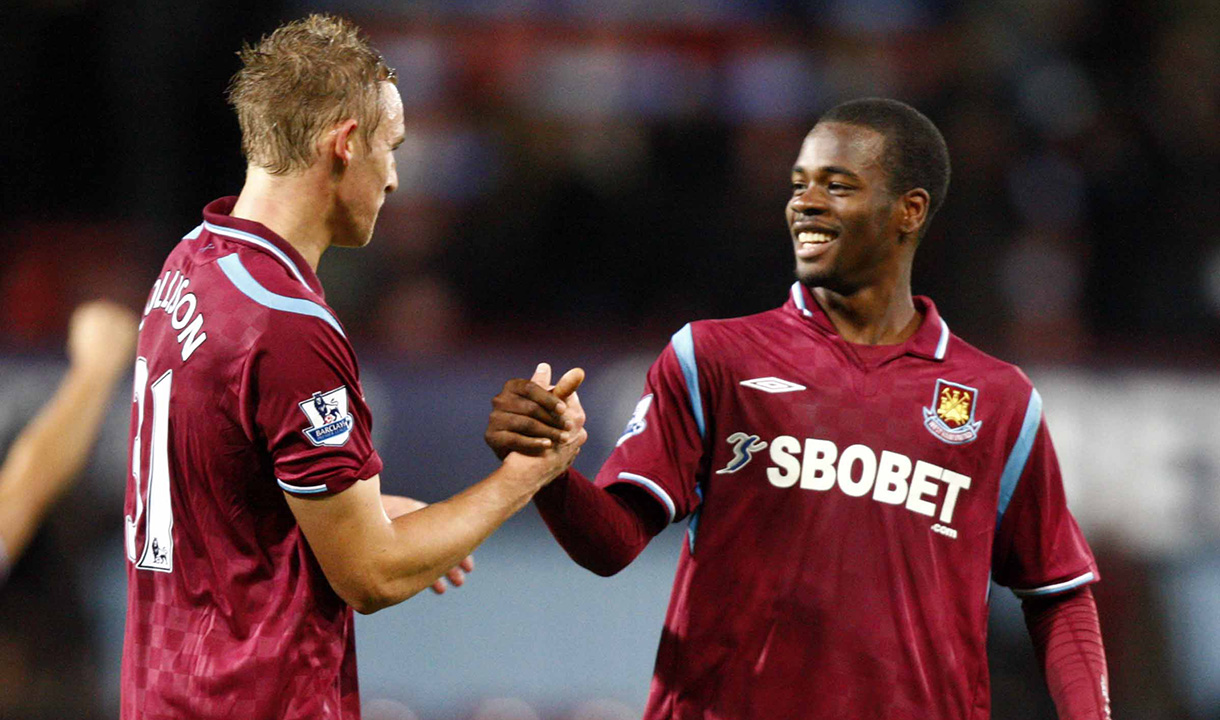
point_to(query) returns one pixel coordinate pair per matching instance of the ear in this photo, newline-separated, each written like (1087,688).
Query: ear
(342,140)
(913,211)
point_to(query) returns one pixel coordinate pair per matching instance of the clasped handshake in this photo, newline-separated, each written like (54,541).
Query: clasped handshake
(543,423)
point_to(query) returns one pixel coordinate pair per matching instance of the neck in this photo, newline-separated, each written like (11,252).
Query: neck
(874,315)
(293,206)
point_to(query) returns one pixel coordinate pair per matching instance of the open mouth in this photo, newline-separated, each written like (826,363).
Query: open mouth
(810,238)
(812,242)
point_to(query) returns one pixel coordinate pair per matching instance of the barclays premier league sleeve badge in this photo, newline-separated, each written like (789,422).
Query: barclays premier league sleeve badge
(637,424)
(330,422)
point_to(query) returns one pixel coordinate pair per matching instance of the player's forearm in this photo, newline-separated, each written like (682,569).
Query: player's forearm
(19,515)
(601,531)
(1067,640)
(396,505)
(423,545)
(49,452)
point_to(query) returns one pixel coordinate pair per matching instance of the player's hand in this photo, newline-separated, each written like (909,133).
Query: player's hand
(102,338)
(396,505)
(528,416)
(456,576)
(552,461)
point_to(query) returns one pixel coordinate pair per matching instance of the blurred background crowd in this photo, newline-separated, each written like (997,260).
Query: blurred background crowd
(580,179)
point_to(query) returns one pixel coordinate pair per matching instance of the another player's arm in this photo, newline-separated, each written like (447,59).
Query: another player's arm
(53,448)
(373,562)
(601,529)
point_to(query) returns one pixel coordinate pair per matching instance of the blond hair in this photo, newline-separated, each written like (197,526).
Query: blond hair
(298,82)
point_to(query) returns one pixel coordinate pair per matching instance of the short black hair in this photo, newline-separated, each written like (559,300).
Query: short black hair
(915,152)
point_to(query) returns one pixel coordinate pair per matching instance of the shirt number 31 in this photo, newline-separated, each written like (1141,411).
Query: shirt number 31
(151,480)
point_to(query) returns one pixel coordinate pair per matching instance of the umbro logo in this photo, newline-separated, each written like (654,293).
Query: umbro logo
(772,385)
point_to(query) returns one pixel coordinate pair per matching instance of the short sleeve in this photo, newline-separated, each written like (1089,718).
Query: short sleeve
(661,448)
(310,409)
(1039,548)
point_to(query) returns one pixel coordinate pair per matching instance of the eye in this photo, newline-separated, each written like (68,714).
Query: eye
(838,187)
(798,188)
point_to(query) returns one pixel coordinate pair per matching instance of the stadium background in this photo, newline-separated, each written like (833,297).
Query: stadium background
(579,180)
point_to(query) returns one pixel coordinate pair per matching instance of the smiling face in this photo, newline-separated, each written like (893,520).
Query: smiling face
(847,226)
(370,174)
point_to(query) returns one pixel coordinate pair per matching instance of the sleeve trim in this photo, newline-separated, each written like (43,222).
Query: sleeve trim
(301,490)
(684,347)
(1019,455)
(653,487)
(1064,586)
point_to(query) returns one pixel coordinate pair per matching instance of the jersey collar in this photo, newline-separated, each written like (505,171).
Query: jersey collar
(218,221)
(931,341)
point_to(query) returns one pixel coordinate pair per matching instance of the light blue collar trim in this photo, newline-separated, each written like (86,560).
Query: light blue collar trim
(252,238)
(245,282)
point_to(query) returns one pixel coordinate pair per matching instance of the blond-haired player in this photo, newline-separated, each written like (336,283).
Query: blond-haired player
(255,521)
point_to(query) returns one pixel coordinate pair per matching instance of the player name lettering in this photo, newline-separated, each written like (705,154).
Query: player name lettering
(892,479)
(169,295)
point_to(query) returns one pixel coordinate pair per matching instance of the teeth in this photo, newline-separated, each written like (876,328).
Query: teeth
(814,238)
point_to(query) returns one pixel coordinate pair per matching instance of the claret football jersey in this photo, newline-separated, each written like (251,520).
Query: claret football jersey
(245,388)
(848,506)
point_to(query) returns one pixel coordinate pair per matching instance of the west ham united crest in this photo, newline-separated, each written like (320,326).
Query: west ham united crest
(330,422)
(951,417)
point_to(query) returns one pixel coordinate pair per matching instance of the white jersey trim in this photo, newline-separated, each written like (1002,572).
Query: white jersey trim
(798,297)
(250,237)
(943,345)
(1057,587)
(652,487)
(298,490)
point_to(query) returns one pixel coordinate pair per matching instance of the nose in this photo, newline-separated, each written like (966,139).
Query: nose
(391,183)
(811,202)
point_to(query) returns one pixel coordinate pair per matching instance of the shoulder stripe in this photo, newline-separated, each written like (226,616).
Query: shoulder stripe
(194,233)
(245,282)
(252,238)
(684,347)
(653,487)
(1020,454)
(1057,587)
(943,345)
(692,526)
(798,297)
(297,490)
